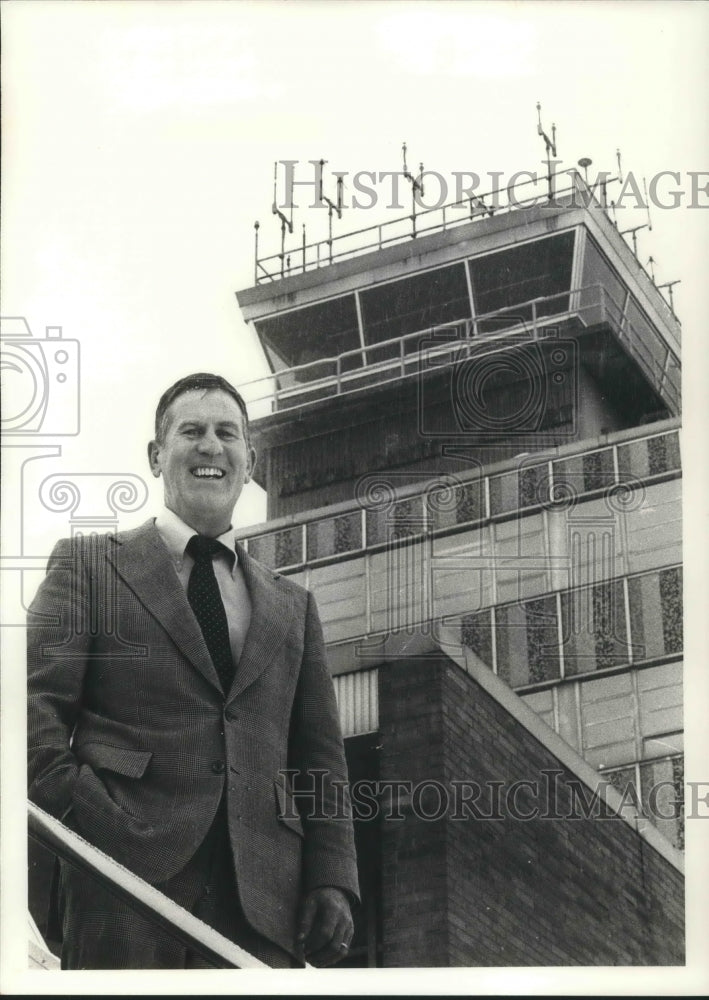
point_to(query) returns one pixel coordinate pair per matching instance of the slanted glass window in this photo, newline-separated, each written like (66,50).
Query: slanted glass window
(419,302)
(646,340)
(519,274)
(310,334)
(597,271)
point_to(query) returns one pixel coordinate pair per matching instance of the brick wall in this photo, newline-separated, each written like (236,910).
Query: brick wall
(564,890)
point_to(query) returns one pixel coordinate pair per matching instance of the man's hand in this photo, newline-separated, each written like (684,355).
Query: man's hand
(325,929)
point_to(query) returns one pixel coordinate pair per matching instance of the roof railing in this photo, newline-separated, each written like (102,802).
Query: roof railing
(322,253)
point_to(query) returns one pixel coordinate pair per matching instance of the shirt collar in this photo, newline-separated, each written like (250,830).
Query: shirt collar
(176,534)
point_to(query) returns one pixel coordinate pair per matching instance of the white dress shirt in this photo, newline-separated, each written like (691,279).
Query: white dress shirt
(230,576)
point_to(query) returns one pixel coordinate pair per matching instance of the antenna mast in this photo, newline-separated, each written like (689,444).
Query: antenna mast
(416,185)
(550,146)
(286,223)
(669,286)
(331,206)
(636,229)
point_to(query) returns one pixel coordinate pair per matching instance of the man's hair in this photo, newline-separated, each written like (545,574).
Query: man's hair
(199,380)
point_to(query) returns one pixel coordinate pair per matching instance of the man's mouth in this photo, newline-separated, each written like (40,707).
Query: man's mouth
(208,472)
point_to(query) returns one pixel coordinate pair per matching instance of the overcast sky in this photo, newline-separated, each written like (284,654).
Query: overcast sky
(140,139)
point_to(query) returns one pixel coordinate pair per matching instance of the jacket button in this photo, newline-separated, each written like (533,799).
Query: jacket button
(231,715)
(218,766)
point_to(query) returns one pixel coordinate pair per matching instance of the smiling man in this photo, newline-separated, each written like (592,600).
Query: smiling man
(178,695)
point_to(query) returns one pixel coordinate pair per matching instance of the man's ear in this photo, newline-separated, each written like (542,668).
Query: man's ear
(250,465)
(153,456)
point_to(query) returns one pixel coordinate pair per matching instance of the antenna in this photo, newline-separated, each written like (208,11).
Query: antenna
(646,225)
(479,201)
(286,223)
(605,181)
(669,286)
(550,146)
(416,185)
(647,207)
(633,231)
(331,206)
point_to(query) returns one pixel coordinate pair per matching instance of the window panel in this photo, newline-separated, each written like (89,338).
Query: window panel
(585,473)
(413,304)
(656,613)
(594,628)
(334,535)
(527,642)
(597,271)
(608,720)
(519,274)
(464,503)
(649,457)
(517,490)
(402,519)
(306,335)
(646,340)
(476,634)
(278,548)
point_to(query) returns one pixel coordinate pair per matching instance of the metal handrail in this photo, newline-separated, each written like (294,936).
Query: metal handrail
(469,324)
(375,239)
(145,899)
(343,383)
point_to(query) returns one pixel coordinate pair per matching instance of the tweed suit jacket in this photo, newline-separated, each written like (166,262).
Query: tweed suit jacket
(131,735)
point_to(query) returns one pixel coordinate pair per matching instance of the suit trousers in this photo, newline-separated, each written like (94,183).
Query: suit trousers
(101,932)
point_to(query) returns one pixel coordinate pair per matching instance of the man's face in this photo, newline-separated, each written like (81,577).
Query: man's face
(204,459)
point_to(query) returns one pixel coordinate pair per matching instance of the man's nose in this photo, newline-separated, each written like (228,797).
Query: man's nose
(209,444)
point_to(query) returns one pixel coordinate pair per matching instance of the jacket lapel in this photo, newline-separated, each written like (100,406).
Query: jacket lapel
(142,560)
(272,609)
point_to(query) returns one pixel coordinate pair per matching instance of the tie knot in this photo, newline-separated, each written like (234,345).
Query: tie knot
(202,548)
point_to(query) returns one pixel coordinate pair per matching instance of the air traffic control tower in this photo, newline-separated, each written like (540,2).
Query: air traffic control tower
(470,447)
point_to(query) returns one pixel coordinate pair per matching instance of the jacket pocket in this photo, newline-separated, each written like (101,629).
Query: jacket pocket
(121,760)
(286,810)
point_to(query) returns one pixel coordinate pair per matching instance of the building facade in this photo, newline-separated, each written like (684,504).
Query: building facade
(470,443)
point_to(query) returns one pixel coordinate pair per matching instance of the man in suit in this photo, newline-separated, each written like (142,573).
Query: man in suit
(178,697)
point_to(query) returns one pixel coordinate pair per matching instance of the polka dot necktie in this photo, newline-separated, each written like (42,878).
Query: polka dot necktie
(206,601)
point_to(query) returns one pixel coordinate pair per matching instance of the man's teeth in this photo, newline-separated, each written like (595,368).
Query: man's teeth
(208,472)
